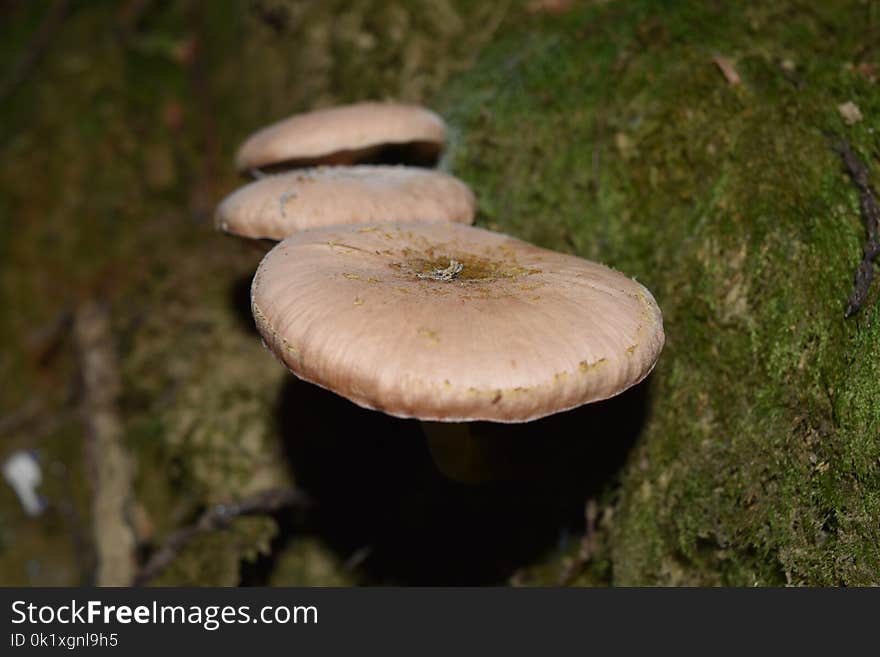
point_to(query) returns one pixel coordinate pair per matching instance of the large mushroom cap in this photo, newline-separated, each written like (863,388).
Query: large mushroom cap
(453,323)
(281,205)
(337,134)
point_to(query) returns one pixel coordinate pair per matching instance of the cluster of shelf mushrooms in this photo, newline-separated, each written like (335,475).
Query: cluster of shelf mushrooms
(381,291)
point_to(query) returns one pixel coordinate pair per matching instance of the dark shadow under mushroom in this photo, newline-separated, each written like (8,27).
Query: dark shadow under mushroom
(378,495)
(413,153)
(240,301)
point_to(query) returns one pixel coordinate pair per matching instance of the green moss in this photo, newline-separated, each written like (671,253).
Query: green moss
(243,542)
(609,132)
(306,562)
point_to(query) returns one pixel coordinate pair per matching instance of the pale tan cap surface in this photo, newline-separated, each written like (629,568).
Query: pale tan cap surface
(453,323)
(346,128)
(280,205)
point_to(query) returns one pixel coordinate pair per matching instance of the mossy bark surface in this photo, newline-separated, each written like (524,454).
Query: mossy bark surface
(603,129)
(611,132)
(117,144)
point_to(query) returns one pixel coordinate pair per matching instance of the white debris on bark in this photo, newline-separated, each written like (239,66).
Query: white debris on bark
(22,472)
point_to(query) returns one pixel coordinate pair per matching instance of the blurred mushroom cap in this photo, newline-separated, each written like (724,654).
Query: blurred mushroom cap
(452,323)
(277,206)
(341,135)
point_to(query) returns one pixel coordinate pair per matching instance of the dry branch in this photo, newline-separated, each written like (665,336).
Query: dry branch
(215,518)
(109,461)
(870,211)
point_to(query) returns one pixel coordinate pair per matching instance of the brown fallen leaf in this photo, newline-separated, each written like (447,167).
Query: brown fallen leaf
(727,70)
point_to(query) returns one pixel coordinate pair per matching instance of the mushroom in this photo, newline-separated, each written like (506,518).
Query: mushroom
(277,206)
(450,323)
(345,135)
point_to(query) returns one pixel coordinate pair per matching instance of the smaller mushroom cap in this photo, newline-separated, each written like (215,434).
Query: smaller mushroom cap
(453,323)
(341,135)
(277,206)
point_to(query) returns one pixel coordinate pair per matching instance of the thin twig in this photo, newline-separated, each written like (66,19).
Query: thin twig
(36,48)
(357,558)
(870,210)
(215,518)
(47,341)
